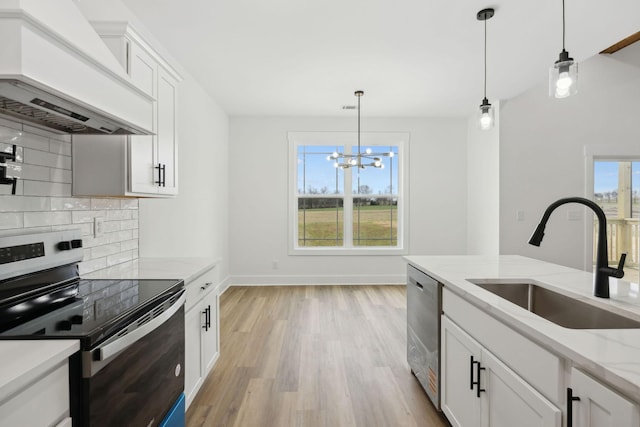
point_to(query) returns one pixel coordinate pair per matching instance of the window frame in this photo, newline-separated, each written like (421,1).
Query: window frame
(349,139)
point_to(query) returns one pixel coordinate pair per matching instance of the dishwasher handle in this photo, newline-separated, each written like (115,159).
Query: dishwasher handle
(118,344)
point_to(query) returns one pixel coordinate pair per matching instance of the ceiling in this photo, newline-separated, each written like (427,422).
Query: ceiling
(413,58)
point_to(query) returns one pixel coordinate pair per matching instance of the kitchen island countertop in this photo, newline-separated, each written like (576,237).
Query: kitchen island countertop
(613,355)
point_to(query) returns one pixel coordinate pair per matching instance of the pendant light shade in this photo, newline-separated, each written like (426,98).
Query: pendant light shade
(485,113)
(563,75)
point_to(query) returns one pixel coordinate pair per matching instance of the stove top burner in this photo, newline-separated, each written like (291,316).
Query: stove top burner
(89,310)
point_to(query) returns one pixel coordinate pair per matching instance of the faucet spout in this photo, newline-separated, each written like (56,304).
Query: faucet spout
(603,271)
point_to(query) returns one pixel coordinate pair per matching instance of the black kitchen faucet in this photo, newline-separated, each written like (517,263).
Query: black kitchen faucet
(603,271)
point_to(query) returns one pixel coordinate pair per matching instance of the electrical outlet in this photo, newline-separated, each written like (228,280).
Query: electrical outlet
(274,264)
(520,216)
(98,226)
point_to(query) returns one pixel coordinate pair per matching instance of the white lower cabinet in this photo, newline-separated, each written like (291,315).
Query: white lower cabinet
(44,402)
(479,390)
(201,332)
(596,405)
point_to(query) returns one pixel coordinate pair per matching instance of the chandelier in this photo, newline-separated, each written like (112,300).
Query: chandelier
(359,160)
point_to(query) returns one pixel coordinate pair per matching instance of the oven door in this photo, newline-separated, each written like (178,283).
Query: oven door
(136,383)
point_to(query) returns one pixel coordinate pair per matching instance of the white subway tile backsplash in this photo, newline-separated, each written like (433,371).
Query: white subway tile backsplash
(129,203)
(97,204)
(104,250)
(86,216)
(120,236)
(44,158)
(121,257)
(89,266)
(39,219)
(11,220)
(36,142)
(129,225)
(129,244)
(6,189)
(43,200)
(42,188)
(10,124)
(23,204)
(112,226)
(59,147)
(91,241)
(81,227)
(60,175)
(119,215)
(33,172)
(70,203)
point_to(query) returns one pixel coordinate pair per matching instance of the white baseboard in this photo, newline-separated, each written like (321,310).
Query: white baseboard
(390,279)
(224,285)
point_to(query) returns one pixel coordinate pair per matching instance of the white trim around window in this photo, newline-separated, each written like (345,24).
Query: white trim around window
(347,140)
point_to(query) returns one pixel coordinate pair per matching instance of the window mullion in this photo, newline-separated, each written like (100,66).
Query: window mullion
(348,204)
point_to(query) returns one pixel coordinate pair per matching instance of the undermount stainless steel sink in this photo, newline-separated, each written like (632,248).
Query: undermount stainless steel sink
(557,308)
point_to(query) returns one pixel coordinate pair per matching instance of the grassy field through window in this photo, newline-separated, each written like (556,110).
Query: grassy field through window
(372,226)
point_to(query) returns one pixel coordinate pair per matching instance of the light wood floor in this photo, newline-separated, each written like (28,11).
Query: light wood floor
(313,356)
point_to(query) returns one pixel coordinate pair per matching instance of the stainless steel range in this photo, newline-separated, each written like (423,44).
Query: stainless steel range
(129,371)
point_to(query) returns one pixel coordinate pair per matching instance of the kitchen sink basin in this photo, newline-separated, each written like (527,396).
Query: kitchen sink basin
(557,308)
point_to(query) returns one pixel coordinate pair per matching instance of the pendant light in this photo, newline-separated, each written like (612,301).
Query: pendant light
(563,75)
(359,160)
(485,114)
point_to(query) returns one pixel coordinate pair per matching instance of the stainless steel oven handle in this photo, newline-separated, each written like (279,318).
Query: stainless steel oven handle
(114,347)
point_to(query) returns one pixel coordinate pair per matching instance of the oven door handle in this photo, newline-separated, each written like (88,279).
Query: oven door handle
(114,347)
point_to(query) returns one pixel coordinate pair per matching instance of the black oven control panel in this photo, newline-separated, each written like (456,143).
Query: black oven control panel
(21,252)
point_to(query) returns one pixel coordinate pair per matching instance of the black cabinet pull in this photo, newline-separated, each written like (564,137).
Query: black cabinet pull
(477,381)
(206,321)
(159,181)
(164,175)
(570,399)
(471,365)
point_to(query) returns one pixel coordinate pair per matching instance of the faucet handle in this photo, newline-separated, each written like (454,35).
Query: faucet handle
(619,273)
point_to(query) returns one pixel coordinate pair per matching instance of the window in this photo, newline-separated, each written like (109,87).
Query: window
(615,190)
(351,211)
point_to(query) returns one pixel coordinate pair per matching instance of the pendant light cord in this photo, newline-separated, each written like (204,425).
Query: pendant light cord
(359,160)
(563,24)
(485,58)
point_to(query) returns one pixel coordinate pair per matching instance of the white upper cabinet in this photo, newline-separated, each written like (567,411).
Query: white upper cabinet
(149,163)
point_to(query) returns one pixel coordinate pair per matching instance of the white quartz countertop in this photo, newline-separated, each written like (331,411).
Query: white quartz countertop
(23,361)
(186,269)
(613,355)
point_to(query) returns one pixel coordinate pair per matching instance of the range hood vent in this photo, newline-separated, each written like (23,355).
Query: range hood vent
(57,73)
(30,104)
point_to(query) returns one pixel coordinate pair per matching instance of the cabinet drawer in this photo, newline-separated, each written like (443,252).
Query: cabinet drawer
(45,402)
(199,287)
(534,364)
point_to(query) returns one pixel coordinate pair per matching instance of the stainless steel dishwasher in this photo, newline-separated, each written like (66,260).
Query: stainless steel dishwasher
(424,306)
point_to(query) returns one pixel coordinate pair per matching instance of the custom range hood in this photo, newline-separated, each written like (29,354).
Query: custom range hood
(56,72)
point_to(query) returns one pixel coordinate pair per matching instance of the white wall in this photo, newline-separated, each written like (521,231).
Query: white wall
(258,200)
(483,187)
(542,144)
(194,224)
